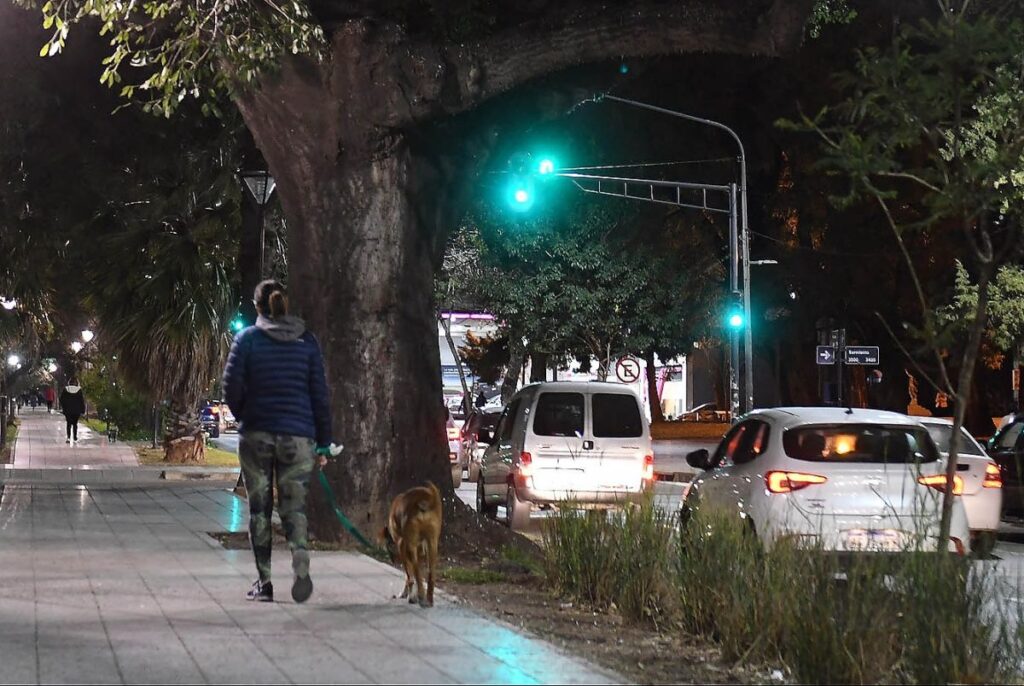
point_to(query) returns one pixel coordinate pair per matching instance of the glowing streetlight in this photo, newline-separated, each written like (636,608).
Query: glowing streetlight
(76,346)
(8,303)
(13,360)
(88,335)
(52,367)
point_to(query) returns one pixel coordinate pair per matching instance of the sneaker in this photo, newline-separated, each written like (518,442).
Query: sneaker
(302,586)
(263,592)
(68,441)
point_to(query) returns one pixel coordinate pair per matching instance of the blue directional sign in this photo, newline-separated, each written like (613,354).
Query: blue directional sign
(862,354)
(826,354)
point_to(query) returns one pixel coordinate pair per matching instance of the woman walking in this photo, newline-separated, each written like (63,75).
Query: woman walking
(274,384)
(72,404)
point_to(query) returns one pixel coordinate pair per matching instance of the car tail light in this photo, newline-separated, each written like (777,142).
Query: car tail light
(938,482)
(453,433)
(993,477)
(786,482)
(648,467)
(525,464)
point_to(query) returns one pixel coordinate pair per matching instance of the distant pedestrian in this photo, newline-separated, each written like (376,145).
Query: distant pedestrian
(1009,416)
(274,384)
(51,397)
(33,399)
(72,404)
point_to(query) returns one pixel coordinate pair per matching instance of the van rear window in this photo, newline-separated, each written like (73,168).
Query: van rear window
(859,443)
(559,414)
(616,416)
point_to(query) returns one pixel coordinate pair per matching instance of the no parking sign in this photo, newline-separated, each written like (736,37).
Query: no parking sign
(627,369)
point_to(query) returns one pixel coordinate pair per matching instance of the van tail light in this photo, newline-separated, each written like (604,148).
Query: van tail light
(993,477)
(786,482)
(938,482)
(526,464)
(648,468)
(453,433)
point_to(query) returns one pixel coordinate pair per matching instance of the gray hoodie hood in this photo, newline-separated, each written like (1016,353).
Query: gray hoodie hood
(285,328)
(72,389)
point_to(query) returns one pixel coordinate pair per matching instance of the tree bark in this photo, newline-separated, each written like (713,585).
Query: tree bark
(517,357)
(652,389)
(183,437)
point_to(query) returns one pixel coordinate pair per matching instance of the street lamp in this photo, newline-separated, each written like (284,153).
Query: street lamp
(13,360)
(76,346)
(261,186)
(87,335)
(8,303)
(52,367)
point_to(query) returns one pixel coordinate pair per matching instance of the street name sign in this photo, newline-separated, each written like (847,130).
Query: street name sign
(826,354)
(862,354)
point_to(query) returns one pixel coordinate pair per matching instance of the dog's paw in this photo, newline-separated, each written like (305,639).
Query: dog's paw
(413,600)
(426,603)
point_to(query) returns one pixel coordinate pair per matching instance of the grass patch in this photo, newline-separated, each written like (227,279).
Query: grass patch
(915,617)
(520,558)
(469,575)
(7,449)
(215,457)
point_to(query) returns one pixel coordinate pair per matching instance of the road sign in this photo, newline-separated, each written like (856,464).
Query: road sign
(862,354)
(826,354)
(627,369)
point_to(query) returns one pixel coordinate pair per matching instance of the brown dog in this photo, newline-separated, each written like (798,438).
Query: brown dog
(412,534)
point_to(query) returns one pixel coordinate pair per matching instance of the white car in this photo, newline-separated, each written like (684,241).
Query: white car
(560,442)
(833,479)
(982,483)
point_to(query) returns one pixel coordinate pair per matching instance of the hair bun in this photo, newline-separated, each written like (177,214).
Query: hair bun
(278,304)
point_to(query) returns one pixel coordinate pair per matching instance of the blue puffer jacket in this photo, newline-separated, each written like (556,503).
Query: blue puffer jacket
(274,380)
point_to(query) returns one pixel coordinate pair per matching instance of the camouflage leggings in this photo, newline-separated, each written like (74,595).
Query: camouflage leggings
(291,457)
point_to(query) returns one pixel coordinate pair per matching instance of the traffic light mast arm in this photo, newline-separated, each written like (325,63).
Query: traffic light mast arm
(619,187)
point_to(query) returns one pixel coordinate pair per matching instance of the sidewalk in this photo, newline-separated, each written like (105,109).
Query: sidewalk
(123,584)
(40,445)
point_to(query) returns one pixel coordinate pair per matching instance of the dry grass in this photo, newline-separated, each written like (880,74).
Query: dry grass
(215,457)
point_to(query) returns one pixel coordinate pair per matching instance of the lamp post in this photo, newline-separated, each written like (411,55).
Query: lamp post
(261,186)
(748,399)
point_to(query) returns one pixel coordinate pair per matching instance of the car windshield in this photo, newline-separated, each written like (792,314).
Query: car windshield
(942,433)
(859,443)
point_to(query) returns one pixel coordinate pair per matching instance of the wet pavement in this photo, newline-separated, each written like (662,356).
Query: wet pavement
(122,583)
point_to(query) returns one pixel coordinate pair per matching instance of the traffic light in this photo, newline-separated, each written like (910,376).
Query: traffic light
(546,166)
(734,318)
(520,191)
(237,324)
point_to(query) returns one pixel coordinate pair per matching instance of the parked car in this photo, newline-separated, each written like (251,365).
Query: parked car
(471,448)
(839,480)
(210,419)
(561,442)
(1007,449)
(452,432)
(983,483)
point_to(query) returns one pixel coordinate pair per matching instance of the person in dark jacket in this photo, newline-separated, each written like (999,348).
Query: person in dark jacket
(274,384)
(72,404)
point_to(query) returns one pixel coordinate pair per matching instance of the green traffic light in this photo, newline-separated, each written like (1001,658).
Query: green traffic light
(522,196)
(736,321)
(237,324)
(545,167)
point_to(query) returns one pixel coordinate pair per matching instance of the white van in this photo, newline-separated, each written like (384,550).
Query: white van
(556,442)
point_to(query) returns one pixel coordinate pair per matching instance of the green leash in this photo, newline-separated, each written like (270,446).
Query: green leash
(345,522)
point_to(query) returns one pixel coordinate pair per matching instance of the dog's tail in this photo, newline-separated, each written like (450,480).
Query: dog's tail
(435,501)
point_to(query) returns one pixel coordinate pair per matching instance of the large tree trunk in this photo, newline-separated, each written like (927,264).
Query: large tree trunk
(652,388)
(516,360)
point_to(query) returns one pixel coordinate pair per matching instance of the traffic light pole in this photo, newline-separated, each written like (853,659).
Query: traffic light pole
(699,196)
(748,355)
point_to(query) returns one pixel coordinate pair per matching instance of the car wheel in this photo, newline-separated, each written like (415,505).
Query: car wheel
(517,512)
(482,506)
(473,473)
(983,543)
(215,433)
(456,475)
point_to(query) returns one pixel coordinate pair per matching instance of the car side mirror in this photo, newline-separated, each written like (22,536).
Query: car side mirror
(699,459)
(485,436)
